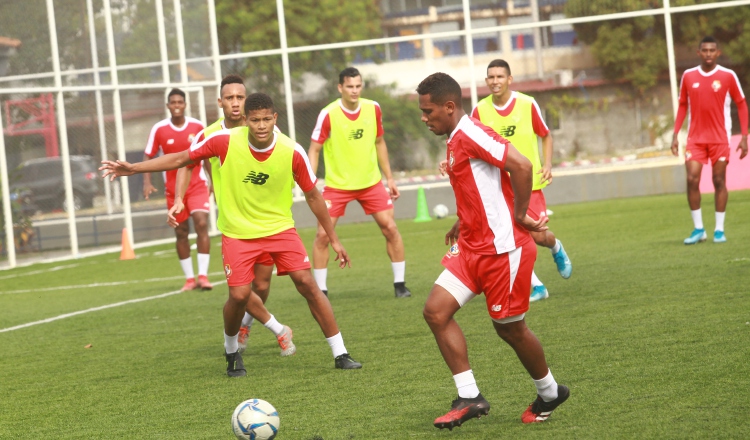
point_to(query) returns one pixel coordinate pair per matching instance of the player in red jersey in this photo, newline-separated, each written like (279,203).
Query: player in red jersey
(173,135)
(706,92)
(491,251)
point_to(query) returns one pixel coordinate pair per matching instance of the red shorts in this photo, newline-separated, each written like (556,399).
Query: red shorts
(240,255)
(537,205)
(703,152)
(505,279)
(195,201)
(373,199)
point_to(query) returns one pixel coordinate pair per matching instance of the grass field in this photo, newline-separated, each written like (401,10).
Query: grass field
(651,336)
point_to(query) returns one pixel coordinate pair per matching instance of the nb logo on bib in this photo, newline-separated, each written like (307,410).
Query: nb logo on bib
(256,178)
(356,134)
(507,131)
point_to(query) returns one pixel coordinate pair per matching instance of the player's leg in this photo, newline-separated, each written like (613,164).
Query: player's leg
(321,256)
(182,244)
(394,246)
(719,177)
(693,168)
(538,209)
(447,296)
(233,311)
(200,223)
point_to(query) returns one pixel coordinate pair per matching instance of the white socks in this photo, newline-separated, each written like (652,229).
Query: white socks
(556,248)
(320,278)
(720,221)
(336,342)
(535,280)
(187,267)
(230,344)
(203,260)
(274,326)
(467,386)
(697,218)
(398,271)
(546,387)
(247,320)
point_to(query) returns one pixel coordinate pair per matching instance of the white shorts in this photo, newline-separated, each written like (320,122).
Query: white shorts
(463,294)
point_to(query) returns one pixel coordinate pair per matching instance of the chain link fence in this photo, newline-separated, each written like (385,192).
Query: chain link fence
(83,80)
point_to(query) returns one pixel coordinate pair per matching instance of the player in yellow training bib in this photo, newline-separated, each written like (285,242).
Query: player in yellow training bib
(259,167)
(350,133)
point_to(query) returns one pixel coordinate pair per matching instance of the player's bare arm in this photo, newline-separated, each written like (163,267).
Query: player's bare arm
(742,147)
(119,168)
(385,166)
(148,187)
(451,237)
(318,207)
(520,170)
(313,154)
(681,112)
(209,174)
(182,182)
(443,167)
(546,170)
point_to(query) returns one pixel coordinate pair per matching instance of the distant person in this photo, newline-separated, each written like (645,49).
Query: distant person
(706,91)
(491,251)
(259,167)
(232,94)
(173,135)
(350,133)
(517,118)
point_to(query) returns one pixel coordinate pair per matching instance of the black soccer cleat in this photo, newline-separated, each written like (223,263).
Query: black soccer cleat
(345,362)
(462,410)
(401,290)
(539,411)
(235,366)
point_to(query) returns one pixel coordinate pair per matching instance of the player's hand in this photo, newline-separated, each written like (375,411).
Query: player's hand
(148,189)
(742,147)
(675,146)
(534,225)
(393,189)
(451,237)
(176,208)
(443,167)
(341,256)
(116,168)
(546,172)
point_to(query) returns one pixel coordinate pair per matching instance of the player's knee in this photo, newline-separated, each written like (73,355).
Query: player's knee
(693,181)
(433,315)
(321,239)
(390,230)
(719,182)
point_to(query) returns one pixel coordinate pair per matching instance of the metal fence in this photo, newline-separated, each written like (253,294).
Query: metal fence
(91,84)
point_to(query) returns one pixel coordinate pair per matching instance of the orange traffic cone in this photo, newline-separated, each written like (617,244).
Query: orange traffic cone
(127,250)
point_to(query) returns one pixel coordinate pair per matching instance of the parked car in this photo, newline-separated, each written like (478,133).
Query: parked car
(44,178)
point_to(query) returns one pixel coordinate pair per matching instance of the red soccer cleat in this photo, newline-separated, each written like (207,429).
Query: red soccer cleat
(242,338)
(189,285)
(462,410)
(203,283)
(285,342)
(539,410)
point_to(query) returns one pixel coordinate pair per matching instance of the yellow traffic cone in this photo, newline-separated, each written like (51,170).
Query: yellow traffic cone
(127,250)
(423,212)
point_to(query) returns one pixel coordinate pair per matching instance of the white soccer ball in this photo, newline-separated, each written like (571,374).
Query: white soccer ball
(440,211)
(255,419)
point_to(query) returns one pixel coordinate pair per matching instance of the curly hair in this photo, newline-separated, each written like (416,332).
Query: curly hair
(441,87)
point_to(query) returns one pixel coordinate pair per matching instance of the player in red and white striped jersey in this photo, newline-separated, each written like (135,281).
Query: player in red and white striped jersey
(491,251)
(173,135)
(706,92)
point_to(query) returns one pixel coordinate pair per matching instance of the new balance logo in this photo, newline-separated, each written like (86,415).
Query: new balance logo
(256,178)
(507,131)
(356,134)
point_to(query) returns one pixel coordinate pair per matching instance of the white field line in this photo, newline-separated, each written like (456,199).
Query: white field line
(37,272)
(95,309)
(111,283)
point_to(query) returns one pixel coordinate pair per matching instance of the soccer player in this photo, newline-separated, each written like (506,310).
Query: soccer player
(173,135)
(258,169)
(231,100)
(350,132)
(518,119)
(706,91)
(491,251)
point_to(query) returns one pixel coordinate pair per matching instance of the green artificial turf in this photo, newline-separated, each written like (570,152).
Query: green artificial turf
(650,335)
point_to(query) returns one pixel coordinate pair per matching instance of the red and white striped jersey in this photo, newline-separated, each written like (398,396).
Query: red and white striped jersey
(166,138)
(484,197)
(708,96)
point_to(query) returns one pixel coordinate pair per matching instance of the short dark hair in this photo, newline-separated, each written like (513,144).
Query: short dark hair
(175,91)
(708,39)
(231,79)
(499,63)
(350,72)
(441,88)
(258,101)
